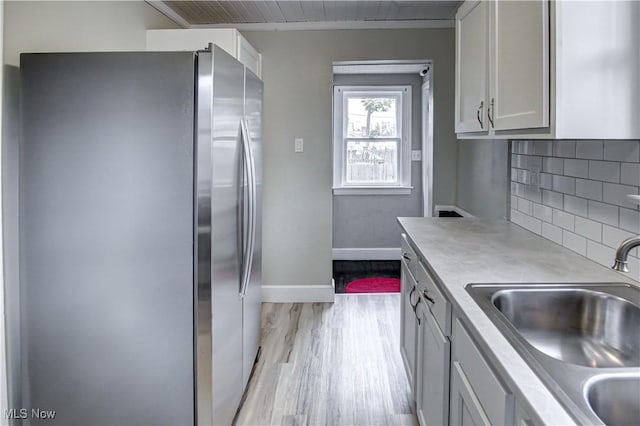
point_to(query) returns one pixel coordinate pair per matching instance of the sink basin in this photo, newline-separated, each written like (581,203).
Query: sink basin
(615,399)
(582,339)
(578,326)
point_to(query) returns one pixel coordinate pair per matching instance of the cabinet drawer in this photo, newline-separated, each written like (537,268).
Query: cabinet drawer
(495,399)
(409,256)
(439,306)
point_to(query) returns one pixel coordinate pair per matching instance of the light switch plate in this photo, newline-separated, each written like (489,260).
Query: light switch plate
(416,155)
(298,145)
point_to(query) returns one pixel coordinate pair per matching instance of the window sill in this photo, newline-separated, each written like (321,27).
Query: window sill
(372,190)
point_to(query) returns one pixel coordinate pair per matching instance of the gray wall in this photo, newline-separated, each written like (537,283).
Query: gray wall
(10,149)
(483,177)
(77,26)
(297,70)
(369,221)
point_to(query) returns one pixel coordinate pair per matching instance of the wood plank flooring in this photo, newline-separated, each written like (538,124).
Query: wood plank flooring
(330,364)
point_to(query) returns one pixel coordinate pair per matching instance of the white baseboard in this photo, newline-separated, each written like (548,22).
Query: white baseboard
(299,293)
(456,209)
(387,253)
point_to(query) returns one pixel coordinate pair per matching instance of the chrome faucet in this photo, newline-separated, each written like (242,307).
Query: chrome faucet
(623,252)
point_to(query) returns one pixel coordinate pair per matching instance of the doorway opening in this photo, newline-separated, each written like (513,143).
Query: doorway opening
(382,166)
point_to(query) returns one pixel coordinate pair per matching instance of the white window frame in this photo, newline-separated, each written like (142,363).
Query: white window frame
(340,95)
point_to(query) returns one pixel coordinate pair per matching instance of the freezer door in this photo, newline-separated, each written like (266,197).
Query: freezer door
(106,237)
(219,324)
(252,296)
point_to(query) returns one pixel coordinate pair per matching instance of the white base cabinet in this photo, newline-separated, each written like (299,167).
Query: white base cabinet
(432,378)
(477,393)
(452,383)
(408,320)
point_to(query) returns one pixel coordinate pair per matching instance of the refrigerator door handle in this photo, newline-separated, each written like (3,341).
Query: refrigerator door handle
(247,256)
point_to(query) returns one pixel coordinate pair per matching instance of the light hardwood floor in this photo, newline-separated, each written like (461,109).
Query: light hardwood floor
(330,364)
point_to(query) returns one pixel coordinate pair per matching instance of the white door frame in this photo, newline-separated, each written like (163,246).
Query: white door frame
(4,395)
(427,142)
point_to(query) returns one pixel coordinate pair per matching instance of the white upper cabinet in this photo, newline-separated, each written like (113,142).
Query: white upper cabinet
(519,52)
(555,70)
(471,66)
(228,39)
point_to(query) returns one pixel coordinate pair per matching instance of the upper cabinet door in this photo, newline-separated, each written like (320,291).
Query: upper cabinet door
(471,67)
(519,94)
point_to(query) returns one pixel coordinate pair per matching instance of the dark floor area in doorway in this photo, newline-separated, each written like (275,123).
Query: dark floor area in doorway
(345,271)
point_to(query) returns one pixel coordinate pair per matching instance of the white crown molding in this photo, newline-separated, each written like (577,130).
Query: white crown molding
(161,7)
(336,25)
(386,253)
(299,293)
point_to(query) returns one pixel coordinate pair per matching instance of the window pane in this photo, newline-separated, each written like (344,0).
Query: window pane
(371,117)
(372,162)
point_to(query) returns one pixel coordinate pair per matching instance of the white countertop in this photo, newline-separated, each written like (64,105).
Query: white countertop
(470,250)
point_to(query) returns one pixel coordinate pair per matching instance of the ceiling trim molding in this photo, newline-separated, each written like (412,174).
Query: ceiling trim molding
(161,7)
(382,67)
(336,25)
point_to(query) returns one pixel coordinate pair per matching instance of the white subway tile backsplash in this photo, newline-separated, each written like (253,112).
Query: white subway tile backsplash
(589,228)
(526,147)
(552,232)
(527,222)
(564,184)
(564,148)
(599,253)
(604,213)
(546,181)
(589,150)
(628,151)
(553,165)
(532,193)
(591,189)
(630,173)
(525,206)
(575,205)
(516,160)
(563,219)
(606,171)
(543,147)
(630,220)
(522,176)
(576,168)
(534,162)
(580,199)
(542,212)
(574,242)
(612,237)
(614,193)
(552,199)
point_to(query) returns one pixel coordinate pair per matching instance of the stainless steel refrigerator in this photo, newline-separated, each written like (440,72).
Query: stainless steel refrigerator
(140,224)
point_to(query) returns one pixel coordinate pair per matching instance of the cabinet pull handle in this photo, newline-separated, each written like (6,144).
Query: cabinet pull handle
(478,114)
(411,294)
(427,297)
(490,113)
(415,311)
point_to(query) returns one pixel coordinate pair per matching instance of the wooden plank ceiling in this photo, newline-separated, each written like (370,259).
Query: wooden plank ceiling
(269,11)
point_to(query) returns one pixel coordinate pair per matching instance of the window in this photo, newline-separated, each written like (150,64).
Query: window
(372,140)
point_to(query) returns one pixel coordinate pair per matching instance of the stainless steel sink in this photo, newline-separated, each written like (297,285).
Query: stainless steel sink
(583,341)
(615,399)
(578,326)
